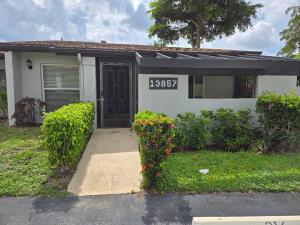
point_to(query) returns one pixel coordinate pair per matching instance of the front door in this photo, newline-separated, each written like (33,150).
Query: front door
(115,96)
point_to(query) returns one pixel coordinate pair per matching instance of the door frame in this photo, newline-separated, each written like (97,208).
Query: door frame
(101,64)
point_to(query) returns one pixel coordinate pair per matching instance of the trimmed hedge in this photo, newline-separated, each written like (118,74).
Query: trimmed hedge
(156,133)
(65,132)
(279,116)
(230,130)
(191,131)
(223,129)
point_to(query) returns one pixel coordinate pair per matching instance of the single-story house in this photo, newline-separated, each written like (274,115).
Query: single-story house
(122,79)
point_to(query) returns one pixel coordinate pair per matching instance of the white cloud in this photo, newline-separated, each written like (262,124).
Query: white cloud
(136,3)
(262,35)
(41,3)
(114,21)
(124,21)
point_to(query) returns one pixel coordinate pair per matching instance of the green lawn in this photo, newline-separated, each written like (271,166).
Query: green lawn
(242,171)
(24,166)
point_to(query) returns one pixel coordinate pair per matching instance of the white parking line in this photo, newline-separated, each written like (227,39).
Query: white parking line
(248,220)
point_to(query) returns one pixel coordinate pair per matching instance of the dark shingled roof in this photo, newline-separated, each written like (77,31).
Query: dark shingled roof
(99,46)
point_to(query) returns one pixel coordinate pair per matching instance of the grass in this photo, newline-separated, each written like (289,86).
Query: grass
(228,172)
(24,166)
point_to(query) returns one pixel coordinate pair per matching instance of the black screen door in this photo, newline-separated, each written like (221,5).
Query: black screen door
(116,96)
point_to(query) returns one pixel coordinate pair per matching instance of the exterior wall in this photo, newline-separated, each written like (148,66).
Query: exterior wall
(32,78)
(280,84)
(24,82)
(172,102)
(14,82)
(88,81)
(88,78)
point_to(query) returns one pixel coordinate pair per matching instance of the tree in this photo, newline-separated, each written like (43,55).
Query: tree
(199,20)
(292,34)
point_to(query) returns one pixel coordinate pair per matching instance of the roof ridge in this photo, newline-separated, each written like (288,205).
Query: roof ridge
(117,46)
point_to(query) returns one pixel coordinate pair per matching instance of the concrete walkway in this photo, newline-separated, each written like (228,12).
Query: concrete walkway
(109,165)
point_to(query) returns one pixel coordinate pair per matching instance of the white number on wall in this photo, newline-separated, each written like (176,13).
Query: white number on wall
(151,85)
(163,83)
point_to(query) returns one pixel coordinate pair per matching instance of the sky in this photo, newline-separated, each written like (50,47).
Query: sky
(125,21)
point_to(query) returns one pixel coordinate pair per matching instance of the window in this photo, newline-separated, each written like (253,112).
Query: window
(61,85)
(195,86)
(218,87)
(2,80)
(244,86)
(298,81)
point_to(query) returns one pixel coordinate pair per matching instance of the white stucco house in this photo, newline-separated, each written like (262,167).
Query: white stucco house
(123,79)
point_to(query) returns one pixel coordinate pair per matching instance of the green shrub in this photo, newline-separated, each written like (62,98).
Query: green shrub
(65,132)
(279,116)
(156,133)
(230,131)
(191,131)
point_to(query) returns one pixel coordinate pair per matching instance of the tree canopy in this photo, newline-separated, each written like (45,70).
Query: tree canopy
(199,20)
(292,33)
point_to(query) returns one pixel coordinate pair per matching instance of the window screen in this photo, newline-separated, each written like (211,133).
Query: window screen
(195,86)
(61,86)
(2,80)
(244,86)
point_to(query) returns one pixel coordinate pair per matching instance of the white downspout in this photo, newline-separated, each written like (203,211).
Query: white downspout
(81,78)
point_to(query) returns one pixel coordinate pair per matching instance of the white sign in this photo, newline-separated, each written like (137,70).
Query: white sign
(251,220)
(163,83)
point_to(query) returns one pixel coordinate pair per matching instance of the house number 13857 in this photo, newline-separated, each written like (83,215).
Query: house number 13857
(163,83)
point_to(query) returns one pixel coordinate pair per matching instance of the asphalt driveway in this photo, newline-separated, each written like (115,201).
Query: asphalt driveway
(141,209)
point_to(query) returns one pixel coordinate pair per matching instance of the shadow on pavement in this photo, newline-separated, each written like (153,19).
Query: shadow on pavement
(167,209)
(48,204)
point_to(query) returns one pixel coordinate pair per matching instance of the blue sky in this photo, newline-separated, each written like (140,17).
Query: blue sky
(124,21)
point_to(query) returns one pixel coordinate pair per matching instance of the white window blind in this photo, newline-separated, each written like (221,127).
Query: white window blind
(61,85)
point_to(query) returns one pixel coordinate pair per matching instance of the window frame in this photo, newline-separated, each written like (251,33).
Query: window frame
(194,84)
(234,82)
(70,89)
(245,85)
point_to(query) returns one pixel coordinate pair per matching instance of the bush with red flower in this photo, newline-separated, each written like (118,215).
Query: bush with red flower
(156,133)
(279,116)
